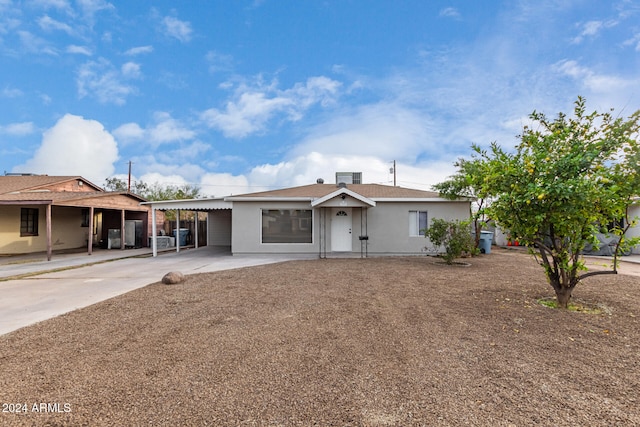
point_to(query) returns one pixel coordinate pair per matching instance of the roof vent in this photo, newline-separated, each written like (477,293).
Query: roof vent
(319,181)
(342,185)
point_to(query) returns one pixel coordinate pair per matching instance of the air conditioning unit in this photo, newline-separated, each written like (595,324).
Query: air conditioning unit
(348,178)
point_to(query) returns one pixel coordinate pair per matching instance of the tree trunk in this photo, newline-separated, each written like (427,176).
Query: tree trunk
(563,294)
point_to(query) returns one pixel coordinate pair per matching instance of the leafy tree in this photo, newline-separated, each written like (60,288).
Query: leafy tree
(468,181)
(155,192)
(117,184)
(455,236)
(566,178)
(170,192)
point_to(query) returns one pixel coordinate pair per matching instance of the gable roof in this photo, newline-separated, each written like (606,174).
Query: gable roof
(13,183)
(41,188)
(375,192)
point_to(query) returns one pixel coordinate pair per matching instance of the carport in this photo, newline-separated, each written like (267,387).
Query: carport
(218,219)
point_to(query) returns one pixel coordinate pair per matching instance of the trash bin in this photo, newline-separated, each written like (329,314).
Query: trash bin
(486,238)
(183,236)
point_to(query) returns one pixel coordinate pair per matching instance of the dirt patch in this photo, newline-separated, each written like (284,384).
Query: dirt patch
(375,342)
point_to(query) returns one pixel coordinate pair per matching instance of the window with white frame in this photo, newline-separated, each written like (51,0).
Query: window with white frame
(287,226)
(417,223)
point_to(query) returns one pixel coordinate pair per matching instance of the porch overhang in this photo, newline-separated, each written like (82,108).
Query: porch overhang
(342,194)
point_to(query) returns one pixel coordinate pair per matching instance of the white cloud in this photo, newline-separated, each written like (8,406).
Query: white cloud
(91,7)
(9,92)
(633,41)
(594,82)
(176,28)
(131,70)
(34,44)
(55,4)
(163,179)
(139,50)
(101,80)
(18,129)
(219,61)
(224,184)
(592,29)
(129,132)
(75,146)
(307,169)
(168,129)
(385,130)
(164,129)
(450,12)
(82,50)
(49,24)
(253,107)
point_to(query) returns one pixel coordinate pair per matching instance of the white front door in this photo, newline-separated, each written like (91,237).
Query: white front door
(341,230)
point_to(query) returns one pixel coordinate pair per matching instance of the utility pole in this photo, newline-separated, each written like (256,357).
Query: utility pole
(393,169)
(129,184)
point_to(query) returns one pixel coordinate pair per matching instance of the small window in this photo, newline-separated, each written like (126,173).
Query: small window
(28,222)
(85,218)
(417,223)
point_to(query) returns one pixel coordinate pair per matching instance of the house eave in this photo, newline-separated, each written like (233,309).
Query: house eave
(418,199)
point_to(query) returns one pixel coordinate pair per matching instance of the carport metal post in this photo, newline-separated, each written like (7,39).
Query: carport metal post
(195,240)
(177,230)
(154,232)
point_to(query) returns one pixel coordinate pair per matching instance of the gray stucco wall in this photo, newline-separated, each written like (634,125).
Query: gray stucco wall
(219,227)
(387,225)
(246,226)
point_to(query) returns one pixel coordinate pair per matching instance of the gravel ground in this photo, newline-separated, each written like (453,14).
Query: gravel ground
(338,342)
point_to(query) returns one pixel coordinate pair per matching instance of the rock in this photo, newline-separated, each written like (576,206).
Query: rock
(173,278)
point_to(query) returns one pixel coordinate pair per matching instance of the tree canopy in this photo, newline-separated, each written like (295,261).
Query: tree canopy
(566,179)
(469,182)
(156,191)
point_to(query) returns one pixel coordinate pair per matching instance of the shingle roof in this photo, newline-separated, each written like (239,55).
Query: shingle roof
(13,183)
(371,191)
(63,196)
(25,188)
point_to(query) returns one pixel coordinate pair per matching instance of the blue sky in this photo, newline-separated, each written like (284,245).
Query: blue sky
(242,96)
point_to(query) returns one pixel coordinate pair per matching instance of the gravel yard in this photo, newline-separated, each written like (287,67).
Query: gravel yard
(340,342)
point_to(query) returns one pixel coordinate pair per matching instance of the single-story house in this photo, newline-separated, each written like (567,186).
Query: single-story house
(324,219)
(41,213)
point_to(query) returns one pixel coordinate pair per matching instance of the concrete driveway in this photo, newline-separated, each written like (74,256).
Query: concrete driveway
(33,290)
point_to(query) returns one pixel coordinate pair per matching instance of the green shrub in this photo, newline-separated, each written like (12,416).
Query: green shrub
(454,236)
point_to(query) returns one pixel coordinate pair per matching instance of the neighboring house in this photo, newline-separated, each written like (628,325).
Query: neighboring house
(40,213)
(324,219)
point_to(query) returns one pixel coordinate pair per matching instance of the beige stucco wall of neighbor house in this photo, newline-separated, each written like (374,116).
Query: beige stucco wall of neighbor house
(66,233)
(389,225)
(10,240)
(247,228)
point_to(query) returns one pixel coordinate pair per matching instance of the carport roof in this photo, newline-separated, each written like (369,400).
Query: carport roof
(190,204)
